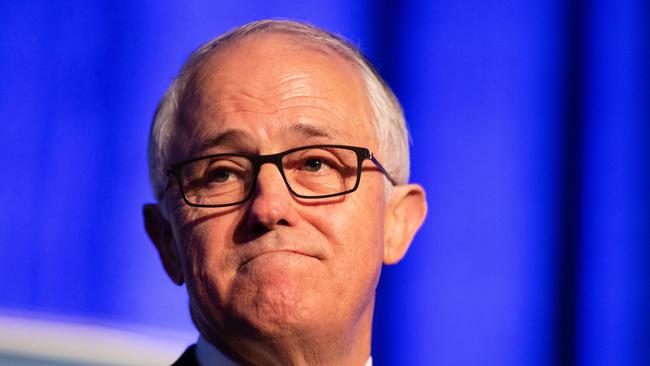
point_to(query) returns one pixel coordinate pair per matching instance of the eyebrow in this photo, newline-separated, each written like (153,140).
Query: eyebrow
(308,130)
(238,138)
(234,137)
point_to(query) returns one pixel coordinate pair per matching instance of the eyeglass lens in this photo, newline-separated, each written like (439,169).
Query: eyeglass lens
(310,172)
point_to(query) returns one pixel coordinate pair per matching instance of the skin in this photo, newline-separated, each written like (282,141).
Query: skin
(280,280)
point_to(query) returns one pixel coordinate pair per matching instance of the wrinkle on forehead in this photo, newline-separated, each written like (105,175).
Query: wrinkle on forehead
(256,79)
(223,93)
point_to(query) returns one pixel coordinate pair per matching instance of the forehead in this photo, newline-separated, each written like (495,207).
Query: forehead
(267,84)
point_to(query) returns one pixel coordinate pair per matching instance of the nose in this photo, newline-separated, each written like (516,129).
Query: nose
(272,204)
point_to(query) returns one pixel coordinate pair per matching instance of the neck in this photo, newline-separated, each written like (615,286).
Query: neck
(346,345)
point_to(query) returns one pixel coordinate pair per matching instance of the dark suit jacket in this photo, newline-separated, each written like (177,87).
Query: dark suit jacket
(188,358)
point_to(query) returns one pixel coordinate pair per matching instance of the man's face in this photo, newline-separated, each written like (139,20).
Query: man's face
(277,264)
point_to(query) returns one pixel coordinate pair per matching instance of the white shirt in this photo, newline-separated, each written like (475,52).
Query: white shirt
(209,355)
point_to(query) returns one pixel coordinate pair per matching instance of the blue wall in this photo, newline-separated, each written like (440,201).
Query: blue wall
(530,124)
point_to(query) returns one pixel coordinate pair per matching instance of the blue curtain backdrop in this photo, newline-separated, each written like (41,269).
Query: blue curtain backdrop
(531,133)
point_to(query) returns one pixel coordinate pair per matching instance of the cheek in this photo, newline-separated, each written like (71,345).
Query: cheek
(205,241)
(354,231)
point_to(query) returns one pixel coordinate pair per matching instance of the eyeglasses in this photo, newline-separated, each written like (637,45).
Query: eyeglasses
(310,172)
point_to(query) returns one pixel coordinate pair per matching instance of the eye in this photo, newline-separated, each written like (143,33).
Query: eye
(219,175)
(313,165)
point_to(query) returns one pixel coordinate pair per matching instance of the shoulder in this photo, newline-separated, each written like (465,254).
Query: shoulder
(188,358)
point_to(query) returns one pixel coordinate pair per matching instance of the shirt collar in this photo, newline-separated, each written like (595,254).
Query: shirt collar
(209,355)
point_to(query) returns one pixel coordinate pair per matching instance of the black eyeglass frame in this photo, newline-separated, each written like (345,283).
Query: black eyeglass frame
(257,161)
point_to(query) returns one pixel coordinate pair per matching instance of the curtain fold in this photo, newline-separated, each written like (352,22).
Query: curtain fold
(530,126)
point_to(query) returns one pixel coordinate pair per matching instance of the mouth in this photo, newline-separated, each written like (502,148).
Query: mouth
(294,252)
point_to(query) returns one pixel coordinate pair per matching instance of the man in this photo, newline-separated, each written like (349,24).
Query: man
(279,160)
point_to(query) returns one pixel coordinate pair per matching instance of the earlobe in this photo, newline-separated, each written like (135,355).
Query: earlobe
(405,213)
(160,233)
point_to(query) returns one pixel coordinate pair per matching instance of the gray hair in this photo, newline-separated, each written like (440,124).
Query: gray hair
(387,115)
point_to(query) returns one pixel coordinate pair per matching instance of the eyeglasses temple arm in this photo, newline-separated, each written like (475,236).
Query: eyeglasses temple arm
(371,157)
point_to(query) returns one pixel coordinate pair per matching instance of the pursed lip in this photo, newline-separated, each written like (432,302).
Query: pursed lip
(248,257)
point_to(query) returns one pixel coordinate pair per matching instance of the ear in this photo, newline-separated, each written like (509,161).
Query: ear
(161,235)
(405,212)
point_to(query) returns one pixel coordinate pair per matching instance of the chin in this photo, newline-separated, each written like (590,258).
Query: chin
(277,310)
(267,318)
(275,296)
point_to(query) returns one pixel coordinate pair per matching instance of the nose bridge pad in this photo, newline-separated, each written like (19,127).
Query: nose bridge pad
(278,164)
(274,160)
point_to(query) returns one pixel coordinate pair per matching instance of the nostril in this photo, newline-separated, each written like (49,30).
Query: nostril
(258,229)
(283,222)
